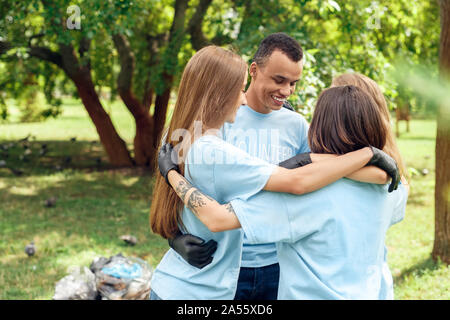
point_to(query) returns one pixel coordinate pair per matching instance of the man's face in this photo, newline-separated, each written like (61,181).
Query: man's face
(275,81)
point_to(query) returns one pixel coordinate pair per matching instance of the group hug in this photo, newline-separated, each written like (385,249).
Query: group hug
(259,204)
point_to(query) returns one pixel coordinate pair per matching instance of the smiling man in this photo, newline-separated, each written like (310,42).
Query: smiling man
(267,130)
(275,70)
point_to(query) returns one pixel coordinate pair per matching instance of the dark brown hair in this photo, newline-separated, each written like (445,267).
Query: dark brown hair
(372,88)
(345,119)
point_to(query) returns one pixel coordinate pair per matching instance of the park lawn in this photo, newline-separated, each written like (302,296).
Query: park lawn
(410,243)
(95,205)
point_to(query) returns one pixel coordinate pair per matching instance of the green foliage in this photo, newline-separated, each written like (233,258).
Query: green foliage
(352,36)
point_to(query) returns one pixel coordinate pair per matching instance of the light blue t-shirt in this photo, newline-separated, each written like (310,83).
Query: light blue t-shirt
(331,242)
(222,172)
(273,137)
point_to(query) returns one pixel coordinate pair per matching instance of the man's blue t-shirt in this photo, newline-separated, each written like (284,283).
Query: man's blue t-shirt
(330,242)
(273,137)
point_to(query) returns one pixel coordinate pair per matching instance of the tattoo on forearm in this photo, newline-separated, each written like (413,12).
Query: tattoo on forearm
(182,188)
(196,200)
(229,208)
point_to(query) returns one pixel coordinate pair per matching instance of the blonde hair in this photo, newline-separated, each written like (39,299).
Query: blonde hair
(372,88)
(209,91)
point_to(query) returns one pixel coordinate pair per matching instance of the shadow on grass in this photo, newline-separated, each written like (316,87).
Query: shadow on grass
(44,157)
(417,270)
(419,196)
(92,211)
(95,205)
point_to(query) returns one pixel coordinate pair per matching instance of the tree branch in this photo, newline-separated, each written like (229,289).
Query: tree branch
(85,44)
(42,53)
(194,28)
(125,78)
(35,36)
(4,47)
(70,63)
(46,54)
(127,62)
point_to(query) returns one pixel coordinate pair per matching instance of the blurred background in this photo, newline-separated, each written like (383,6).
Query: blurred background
(86,88)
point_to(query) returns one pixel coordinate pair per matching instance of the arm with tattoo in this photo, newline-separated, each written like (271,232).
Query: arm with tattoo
(215,216)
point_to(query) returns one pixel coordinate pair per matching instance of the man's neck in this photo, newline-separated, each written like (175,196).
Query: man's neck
(254,103)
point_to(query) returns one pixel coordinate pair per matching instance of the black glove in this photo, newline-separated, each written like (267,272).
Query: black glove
(288,106)
(165,161)
(299,160)
(193,249)
(383,161)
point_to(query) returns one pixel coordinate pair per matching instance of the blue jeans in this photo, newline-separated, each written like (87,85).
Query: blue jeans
(258,283)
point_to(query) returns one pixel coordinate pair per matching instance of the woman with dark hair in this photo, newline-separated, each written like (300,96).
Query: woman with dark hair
(373,89)
(330,242)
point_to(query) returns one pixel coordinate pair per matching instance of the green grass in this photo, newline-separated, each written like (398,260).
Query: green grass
(416,275)
(95,205)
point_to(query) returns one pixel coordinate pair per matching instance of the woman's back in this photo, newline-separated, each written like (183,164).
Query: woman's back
(330,242)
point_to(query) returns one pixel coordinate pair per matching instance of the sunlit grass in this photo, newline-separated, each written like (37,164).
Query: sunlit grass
(94,206)
(416,275)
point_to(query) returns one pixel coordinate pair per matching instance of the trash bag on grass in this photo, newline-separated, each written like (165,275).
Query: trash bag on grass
(113,278)
(78,285)
(121,278)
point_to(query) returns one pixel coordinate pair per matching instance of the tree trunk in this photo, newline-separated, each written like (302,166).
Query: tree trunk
(161,103)
(144,151)
(115,147)
(441,247)
(147,99)
(176,36)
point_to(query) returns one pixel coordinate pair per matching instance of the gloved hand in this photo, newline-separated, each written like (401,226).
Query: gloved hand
(193,249)
(166,160)
(300,160)
(383,161)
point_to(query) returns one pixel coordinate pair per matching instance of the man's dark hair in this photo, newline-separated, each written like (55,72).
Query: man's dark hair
(278,41)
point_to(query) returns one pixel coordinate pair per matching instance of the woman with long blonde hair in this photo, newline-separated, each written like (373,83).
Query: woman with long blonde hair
(210,92)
